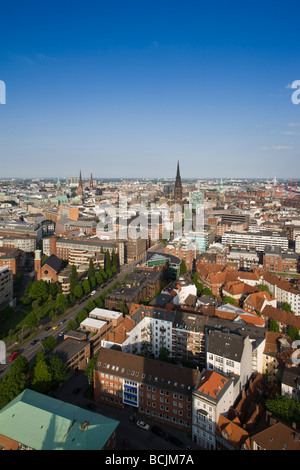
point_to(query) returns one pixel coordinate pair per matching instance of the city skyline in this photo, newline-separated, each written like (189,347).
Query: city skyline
(127,90)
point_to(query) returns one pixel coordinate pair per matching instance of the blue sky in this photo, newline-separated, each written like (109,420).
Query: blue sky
(125,88)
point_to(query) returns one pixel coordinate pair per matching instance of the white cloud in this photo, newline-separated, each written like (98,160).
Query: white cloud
(290,133)
(277,147)
(294,124)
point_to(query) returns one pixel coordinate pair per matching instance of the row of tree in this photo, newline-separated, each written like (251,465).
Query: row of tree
(47,300)
(43,375)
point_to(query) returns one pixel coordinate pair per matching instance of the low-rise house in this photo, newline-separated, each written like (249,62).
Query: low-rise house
(276,436)
(284,319)
(257,301)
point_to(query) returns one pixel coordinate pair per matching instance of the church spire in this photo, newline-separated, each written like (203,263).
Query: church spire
(178,187)
(80,188)
(178,171)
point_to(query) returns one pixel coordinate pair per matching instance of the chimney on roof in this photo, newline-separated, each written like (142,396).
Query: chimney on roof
(84,425)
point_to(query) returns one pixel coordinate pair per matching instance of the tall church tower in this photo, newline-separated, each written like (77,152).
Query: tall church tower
(91,183)
(80,188)
(178,187)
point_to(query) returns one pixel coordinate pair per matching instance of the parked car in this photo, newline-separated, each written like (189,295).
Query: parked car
(176,442)
(54,327)
(13,356)
(126,445)
(158,431)
(48,328)
(143,425)
(33,342)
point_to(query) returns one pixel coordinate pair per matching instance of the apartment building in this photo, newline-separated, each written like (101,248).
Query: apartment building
(152,332)
(283,290)
(13,258)
(257,240)
(65,248)
(154,389)
(25,243)
(184,249)
(213,395)
(136,288)
(6,286)
(21,229)
(274,259)
(230,354)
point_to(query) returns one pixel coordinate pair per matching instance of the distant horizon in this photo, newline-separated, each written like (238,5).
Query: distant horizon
(145,178)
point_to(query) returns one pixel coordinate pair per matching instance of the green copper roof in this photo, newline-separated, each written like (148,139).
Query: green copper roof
(45,423)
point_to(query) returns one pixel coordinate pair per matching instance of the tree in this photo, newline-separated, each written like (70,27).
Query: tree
(123,307)
(207,291)
(14,381)
(114,259)
(41,375)
(39,290)
(107,261)
(273,326)
(286,307)
(73,279)
(78,291)
(89,371)
(91,270)
(263,287)
(53,289)
(81,315)
(293,333)
(230,300)
(99,302)
(285,408)
(61,302)
(49,343)
(90,306)
(58,369)
(71,325)
(86,286)
(99,278)
(164,354)
(32,320)
(183,268)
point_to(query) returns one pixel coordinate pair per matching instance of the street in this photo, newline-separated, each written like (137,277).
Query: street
(139,439)
(30,352)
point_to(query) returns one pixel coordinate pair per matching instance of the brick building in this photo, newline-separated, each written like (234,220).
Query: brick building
(159,390)
(49,270)
(274,259)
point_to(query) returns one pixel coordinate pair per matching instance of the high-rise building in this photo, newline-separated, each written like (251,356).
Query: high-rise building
(178,187)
